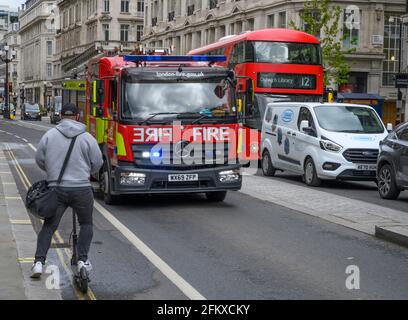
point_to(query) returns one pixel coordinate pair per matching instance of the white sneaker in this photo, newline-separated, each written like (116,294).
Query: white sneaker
(36,270)
(87,264)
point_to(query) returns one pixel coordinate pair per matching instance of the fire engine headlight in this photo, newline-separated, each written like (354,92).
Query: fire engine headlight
(132,178)
(148,154)
(254,148)
(229,175)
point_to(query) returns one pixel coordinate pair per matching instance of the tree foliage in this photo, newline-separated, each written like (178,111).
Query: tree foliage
(321,18)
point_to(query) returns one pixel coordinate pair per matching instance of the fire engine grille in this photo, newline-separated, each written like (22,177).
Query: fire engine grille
(361,155)
(181,156)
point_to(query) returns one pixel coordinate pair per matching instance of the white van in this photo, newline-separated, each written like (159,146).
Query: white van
(321,140)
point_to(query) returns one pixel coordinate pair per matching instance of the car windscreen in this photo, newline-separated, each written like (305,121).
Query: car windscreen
(32,107)
(349,119)
(167,99)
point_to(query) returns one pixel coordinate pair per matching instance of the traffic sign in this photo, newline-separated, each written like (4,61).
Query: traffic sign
(401,80)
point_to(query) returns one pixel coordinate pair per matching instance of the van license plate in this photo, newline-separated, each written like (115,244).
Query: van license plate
(183,177)
(371,167)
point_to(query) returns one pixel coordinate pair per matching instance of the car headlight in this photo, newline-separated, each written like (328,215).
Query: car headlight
(229,175)
(330,146)
(132,178)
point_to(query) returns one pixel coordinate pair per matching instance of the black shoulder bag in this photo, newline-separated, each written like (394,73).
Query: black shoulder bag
(42,200)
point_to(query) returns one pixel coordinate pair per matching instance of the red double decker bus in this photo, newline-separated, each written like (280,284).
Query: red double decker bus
(283,64)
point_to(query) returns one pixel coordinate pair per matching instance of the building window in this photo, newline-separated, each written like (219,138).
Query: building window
(357,83)
(78,13)
(391,49)
(213,4)
(250,24)
(49,70)
(139,32)
(124,32)
(105,29)
(154,21)
(106,6)
(140,5)
(124,6)
(282,19)
(49,48)
(190,10)
(171,16)
(316,17)
(231,28)
(351,35)
(271,21)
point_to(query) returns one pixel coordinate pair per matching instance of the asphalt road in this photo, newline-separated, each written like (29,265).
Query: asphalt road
(243,248)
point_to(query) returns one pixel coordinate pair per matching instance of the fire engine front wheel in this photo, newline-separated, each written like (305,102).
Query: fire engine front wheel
(217,196)
(105,187)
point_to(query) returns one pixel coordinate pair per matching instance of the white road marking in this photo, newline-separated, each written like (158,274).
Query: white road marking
(32,147)
(172,275)
(25,140)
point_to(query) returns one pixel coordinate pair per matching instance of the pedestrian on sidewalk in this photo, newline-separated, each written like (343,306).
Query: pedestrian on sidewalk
(75,189)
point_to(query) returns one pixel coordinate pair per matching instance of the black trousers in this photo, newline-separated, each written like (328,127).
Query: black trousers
(79,199)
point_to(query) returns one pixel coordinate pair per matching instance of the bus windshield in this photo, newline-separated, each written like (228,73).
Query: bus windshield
(169,99)
(348,119)
(284,52)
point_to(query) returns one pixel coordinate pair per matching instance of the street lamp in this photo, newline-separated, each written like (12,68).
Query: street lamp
(392,20)
(4,56)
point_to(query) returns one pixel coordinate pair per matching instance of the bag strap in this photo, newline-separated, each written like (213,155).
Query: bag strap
(64,165)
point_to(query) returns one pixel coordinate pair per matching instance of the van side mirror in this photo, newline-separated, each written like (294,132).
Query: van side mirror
(304,124)
(389,127)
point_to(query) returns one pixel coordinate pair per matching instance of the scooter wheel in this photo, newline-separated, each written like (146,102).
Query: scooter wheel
(83,280)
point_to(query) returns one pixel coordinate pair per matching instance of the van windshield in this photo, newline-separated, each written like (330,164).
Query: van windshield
(350,119)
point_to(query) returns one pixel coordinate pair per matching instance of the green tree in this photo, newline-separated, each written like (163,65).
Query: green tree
(322,18)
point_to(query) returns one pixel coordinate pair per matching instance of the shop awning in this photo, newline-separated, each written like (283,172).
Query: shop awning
(359,96)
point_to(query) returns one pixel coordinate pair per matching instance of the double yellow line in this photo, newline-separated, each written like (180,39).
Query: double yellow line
(58,239)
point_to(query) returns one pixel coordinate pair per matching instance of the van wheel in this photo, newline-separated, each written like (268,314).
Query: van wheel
(310,175)
(267,167)
(217,196)
(105,187)
(387,186)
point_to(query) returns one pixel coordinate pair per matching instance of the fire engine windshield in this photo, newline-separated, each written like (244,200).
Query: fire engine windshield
(168,100)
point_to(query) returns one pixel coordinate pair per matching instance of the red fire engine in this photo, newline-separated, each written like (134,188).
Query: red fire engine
(165,124)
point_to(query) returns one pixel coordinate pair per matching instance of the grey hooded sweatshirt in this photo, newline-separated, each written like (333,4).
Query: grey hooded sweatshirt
(86,157)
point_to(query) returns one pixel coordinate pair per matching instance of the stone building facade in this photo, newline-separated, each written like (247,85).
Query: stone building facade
(187,24)
(11,39)
(88,28)
(37,33)
(8,25)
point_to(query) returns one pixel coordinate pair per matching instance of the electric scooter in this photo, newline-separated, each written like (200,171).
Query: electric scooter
(81,278)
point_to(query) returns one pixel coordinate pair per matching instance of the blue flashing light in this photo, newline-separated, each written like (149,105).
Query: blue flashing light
(134,58)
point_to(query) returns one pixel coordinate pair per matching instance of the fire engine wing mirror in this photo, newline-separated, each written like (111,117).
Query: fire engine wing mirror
(219,91)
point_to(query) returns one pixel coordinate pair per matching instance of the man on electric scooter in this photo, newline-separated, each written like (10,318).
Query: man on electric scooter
(75,189)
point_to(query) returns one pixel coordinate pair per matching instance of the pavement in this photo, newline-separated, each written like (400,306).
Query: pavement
(17,243)
(275,239)
(383,222)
